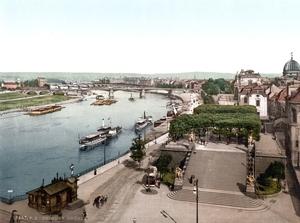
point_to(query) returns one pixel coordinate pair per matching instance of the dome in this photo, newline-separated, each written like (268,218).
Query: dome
(291,67)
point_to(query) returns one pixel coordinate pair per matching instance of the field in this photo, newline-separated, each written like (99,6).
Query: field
(10,101)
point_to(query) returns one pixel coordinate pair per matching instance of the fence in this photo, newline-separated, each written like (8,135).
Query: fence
(25,196)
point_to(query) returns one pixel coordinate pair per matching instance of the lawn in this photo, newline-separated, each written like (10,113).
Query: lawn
(36,101)
(12,95)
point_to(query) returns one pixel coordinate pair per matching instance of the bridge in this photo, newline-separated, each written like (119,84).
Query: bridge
(111,90)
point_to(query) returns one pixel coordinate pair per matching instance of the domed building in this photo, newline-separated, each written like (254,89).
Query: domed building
(291,68)
(291,73)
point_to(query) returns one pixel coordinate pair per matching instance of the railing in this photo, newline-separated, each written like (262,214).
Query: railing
(99,165)
(25,196)
(14,199)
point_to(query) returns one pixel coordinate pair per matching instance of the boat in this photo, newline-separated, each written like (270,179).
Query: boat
(160,121)
(92,140)
(45,110)
(131,98)
(113,132)
(100,97)
(109,131)
(142,122)
(104,102)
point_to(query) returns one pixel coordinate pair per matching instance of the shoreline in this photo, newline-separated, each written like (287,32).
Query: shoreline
(39,106)
(158,132)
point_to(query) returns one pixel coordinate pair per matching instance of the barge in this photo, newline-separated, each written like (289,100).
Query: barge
(44,110)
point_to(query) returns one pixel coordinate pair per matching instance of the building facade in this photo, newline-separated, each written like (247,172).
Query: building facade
(53,197)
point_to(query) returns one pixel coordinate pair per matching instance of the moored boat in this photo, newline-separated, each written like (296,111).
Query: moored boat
(113,132)
(160,121)
(109,131)
(142,122)
(100,97)
(131,98)
(92,140)
(45,110)
(104,102)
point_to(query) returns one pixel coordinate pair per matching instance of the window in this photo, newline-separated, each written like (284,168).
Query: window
(257,102)
(245,100)
(294,115)
(297,143)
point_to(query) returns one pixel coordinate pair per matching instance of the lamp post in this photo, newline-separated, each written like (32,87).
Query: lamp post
(196,193)
(72,168)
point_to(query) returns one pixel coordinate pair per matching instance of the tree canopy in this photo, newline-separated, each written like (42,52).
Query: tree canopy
(163,162)
(214,87)
(223,119)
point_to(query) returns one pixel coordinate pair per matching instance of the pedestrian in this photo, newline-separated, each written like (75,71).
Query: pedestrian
(158,184)
(95,172)
(134,220)
(84,214)
(60,215)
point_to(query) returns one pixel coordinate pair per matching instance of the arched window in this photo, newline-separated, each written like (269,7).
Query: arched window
(257,102)
(294,115)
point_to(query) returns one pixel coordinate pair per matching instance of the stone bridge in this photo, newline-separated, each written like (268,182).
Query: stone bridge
(111,90)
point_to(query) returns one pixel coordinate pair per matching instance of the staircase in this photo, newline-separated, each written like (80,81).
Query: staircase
(230,200)
(76,204)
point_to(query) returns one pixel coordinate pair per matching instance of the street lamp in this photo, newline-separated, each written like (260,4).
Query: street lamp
(195,191)
(72,168)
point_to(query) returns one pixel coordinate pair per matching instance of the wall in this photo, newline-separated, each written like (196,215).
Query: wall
(263,162)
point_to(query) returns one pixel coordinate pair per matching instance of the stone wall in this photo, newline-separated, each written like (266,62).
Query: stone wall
(263,162)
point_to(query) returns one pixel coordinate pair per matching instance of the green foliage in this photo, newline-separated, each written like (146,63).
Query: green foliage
(164,85)
(207,99)
(269,186)
(31,83)
(137,149)
(265,181)
(276,170)
(27,102)
(44,93)
(32,93)
(59,93)
(225,109)
(214,87)
(163,162)
(169,178)
(11,95)
(223,119)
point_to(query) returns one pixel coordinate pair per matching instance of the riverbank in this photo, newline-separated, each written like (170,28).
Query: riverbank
(26,109)
(125,164)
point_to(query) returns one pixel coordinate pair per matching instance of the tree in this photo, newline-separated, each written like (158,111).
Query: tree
(224,120)
(163,162)
(138,149)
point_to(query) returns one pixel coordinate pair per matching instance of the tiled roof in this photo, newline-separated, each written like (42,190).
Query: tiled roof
(295,98)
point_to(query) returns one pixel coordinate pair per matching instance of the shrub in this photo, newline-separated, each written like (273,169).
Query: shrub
(169,179)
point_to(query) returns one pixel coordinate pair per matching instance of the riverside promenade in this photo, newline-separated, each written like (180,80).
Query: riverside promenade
(128,199)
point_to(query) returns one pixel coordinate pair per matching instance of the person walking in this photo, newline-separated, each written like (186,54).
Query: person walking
(134,220)
(84,214)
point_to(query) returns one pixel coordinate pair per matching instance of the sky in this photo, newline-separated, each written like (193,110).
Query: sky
(148,36)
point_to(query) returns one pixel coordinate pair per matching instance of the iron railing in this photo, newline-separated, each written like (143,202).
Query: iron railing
(25,196)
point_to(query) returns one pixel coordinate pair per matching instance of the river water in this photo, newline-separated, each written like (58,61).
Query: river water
(34,148)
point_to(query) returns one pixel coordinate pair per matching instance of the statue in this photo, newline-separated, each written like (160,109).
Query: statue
(178,173)
(250,179)
(250,141)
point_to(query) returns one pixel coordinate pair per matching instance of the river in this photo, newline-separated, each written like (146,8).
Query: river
(37,148)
